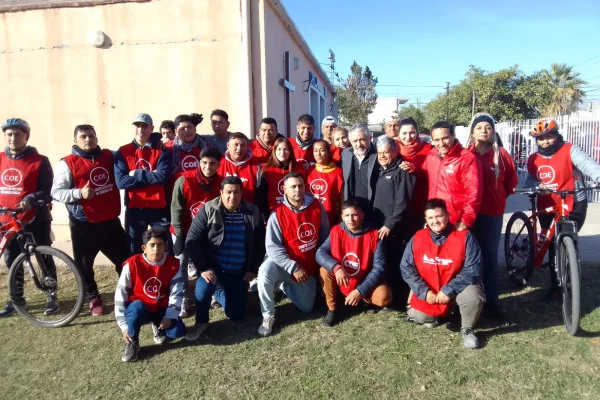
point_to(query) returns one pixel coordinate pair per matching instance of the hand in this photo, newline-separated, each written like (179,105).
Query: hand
(165,323)
(301,275)
(249,276)
(88,192)
(354,298)
(24,204)
(431,297)
(461,226)
(406,166)
(179,245)
(132,172)
(126,337)
(442,298)
(209,276)
(543,188)
(383,232)
(341,277)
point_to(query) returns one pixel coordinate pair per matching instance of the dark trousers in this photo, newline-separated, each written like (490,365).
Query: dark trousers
(137,221)
(137,315)
(41,234)
(88,239)
(488,230)
(393,248)
(231,291)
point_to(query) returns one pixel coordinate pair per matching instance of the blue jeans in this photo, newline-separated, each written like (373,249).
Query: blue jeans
(137,315)
(137,221)
(487,231)
(231,292)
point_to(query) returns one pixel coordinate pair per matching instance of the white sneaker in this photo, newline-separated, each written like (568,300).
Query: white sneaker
(195,332)
(192,271)
(266,327)
(184,308)
(159,335)
(254,285)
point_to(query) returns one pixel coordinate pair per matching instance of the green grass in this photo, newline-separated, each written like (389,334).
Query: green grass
(366,356)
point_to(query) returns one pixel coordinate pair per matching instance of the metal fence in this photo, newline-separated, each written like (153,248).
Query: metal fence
(581,128)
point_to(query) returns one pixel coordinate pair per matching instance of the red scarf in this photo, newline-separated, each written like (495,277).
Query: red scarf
(411,149)
(204,181)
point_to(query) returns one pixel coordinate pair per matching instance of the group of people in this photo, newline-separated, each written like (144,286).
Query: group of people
(396,222)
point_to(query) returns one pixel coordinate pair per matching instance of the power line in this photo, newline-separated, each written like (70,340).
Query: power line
(586,61)
(413,86)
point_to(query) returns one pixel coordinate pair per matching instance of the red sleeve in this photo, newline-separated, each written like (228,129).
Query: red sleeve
(473,186)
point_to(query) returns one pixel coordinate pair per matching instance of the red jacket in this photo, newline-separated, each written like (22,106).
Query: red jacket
(260,155)
(496,190)
(421,184)
(457,179)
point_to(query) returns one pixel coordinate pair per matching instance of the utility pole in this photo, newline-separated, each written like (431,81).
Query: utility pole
(447,100)
(473,109)
(418,102)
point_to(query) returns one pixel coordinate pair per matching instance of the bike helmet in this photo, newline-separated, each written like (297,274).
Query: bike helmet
(544,126)
(15,123)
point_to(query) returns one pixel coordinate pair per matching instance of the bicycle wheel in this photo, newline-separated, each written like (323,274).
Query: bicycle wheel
(570,284)
(55,277)
(518,248)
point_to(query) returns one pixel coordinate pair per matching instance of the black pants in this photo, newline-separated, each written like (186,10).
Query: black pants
(137,221)
(89,239)
(393,248)
(41,235)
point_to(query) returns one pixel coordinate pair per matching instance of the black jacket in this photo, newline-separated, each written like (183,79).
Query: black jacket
(207,232)
(347,161)
(393,195)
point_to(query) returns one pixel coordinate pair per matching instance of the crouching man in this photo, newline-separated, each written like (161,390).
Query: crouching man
(352,261)
(295,229)
(150,290)
(442,265)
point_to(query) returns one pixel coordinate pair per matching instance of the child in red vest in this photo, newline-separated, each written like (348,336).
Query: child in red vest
(150,290)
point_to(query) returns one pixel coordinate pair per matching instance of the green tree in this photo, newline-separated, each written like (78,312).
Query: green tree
(356,95)
(566,88)
(415,112)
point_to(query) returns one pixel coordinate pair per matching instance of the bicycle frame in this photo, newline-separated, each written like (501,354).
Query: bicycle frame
(542,244)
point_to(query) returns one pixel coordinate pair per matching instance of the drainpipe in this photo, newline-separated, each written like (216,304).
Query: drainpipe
(247,54)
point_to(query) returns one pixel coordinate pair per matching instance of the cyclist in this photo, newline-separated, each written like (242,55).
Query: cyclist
(26,178)
(558,165)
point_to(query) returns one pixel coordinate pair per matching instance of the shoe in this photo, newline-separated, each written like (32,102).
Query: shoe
(159,334)
(495,311)
(96,306)
(131,351)
(553,293)
(51,305)
(195,332)
(8,310)
(329,319)
(469,339)
(266,328)
(214,304)
(386,310)
(253,286)
(184,308)
(428,325)
(192,271)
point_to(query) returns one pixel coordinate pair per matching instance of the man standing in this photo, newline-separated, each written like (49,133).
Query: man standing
(186,147)
(226,243)
(303,142)
(360,167)
(219,121)
(263,144)
(167,131)
(392,127)
(441,264)
(26,179)
(327,127)
(454,175)
(352,261)
(85,182)
(295,230)
(238,161)
(143,168)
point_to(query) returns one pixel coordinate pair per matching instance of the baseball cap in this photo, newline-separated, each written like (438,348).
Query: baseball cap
(329,118)
(144,118)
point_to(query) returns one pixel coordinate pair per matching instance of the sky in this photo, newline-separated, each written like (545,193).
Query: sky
(425,43)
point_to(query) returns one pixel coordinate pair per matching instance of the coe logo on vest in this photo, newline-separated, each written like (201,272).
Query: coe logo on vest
(351,264)
(318,187)
(546,174)
(11,177)
(99,176)
(189,163)
(307,232)
(143,164)
(152,288)
(280,187)
(195,208)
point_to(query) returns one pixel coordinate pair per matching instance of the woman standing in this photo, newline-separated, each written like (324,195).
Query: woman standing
(325,181)
(499,181)
(339,141)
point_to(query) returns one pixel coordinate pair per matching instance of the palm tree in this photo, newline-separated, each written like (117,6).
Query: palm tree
(565,85)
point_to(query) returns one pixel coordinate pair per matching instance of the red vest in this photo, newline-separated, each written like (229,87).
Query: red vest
(355,254)
(260,155)
(437,265)
(556,173)
(327,188)
(151,196)
(274,177)
(151,283)
(18,179)
(188,161)
(300,231)
(246,172)
(100,173)
(195,197)
(304,157)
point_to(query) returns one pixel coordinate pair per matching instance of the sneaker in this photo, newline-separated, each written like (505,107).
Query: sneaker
(195,332)
(253,286)
(131,350)
(329,319)
(96,306)
(192,271)
(266,328)
(469,339)
(495,311)
(8,310)
(51,305)
(428,325)
(159,334)
(215,304)
(184,308)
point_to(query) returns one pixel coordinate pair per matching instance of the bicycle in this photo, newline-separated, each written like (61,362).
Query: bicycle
(523,244)
(46,273)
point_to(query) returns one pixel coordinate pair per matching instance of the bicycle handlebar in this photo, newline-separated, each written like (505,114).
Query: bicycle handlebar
(15,211)
(536,191)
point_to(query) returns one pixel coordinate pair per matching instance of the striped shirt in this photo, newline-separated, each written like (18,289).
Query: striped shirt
(231,254)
